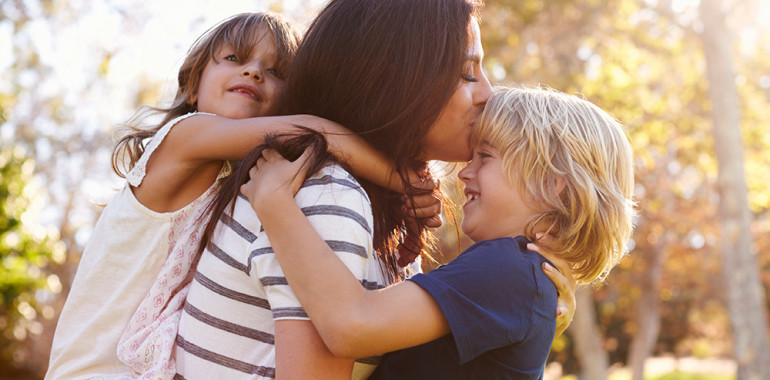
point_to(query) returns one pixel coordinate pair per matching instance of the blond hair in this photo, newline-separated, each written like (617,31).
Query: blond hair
(239,31)
(548,139)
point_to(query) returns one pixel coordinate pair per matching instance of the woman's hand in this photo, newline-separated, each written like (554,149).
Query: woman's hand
(274,176)
(565,285)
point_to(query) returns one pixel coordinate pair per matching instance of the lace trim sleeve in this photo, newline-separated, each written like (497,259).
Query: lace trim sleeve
(136,175)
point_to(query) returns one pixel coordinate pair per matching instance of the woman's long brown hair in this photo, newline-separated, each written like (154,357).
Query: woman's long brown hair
(384,69)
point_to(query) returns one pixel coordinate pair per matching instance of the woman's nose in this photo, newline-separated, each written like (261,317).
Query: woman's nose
(484,90)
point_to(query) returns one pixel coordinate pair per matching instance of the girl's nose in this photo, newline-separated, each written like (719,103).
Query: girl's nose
(253,72)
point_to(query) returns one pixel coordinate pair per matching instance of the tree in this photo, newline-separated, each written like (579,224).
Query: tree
(745,295)
(26,250)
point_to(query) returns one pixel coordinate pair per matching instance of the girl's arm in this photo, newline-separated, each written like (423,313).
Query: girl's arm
(203,138)
(352,321)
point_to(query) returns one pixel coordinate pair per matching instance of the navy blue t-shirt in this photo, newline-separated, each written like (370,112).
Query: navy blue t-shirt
(501,310)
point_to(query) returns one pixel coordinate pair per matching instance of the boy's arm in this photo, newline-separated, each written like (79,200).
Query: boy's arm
(352,321)
(301,354)
(204,137)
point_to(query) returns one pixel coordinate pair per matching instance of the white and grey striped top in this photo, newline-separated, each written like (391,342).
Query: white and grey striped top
(227,328)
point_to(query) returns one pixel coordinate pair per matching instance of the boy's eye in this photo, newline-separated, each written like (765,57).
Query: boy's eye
(231,58)
(484,155)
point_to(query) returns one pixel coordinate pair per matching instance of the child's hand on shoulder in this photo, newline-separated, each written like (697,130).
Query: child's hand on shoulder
(274,178)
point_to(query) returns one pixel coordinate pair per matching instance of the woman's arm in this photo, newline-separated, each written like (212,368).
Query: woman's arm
(352,321)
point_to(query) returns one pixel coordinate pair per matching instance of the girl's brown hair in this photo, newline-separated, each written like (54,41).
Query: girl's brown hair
(241,32)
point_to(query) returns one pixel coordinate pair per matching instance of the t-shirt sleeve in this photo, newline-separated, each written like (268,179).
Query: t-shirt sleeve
(487,296)
(340,212)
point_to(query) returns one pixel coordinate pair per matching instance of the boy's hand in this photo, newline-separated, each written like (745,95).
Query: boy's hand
(274,176)
(565,285)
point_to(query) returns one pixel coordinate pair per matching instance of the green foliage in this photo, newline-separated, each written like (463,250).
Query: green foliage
(25,252)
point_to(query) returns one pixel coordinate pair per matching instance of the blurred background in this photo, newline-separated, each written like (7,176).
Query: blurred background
(690,79)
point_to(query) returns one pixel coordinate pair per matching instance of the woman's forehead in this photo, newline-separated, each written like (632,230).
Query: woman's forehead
(475,50)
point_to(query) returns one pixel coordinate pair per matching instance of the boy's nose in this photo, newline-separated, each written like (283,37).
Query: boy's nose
(464,174)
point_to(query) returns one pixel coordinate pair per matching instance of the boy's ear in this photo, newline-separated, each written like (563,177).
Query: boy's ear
(561,183)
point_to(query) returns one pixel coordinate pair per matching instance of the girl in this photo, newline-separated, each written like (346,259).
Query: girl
(543,163)
(147,237)
(406,75)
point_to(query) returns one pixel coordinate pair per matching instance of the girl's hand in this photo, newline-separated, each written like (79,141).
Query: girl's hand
(565,285)
(423,208)
(274,176)
(424,203)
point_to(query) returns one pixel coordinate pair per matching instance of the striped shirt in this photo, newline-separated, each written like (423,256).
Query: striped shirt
(227,327)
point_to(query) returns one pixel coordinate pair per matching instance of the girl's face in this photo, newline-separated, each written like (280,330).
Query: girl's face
(448,139)
(242,87)
(494,207)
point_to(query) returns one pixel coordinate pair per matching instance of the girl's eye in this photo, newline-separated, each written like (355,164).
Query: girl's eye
(231,58)
(275,73)
(484,155)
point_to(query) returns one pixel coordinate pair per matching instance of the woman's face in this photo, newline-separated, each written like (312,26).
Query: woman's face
(449,137)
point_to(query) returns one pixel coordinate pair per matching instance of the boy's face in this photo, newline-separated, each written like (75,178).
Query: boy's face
(242,87)
(494,207)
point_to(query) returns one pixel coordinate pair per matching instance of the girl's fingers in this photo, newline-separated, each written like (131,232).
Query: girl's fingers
(434,221)
(422,206)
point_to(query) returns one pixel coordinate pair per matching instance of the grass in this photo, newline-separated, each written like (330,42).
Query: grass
(690,376)
(624,375)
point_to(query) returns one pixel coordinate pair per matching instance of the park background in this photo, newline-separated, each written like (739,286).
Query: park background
(689,79)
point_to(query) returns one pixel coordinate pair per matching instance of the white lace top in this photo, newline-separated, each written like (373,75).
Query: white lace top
(134,256)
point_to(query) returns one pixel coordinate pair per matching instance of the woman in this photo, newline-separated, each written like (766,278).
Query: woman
(406,76)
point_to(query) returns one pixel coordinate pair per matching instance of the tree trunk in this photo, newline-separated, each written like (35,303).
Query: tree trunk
(647,313)
(745,294)
(594,362)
